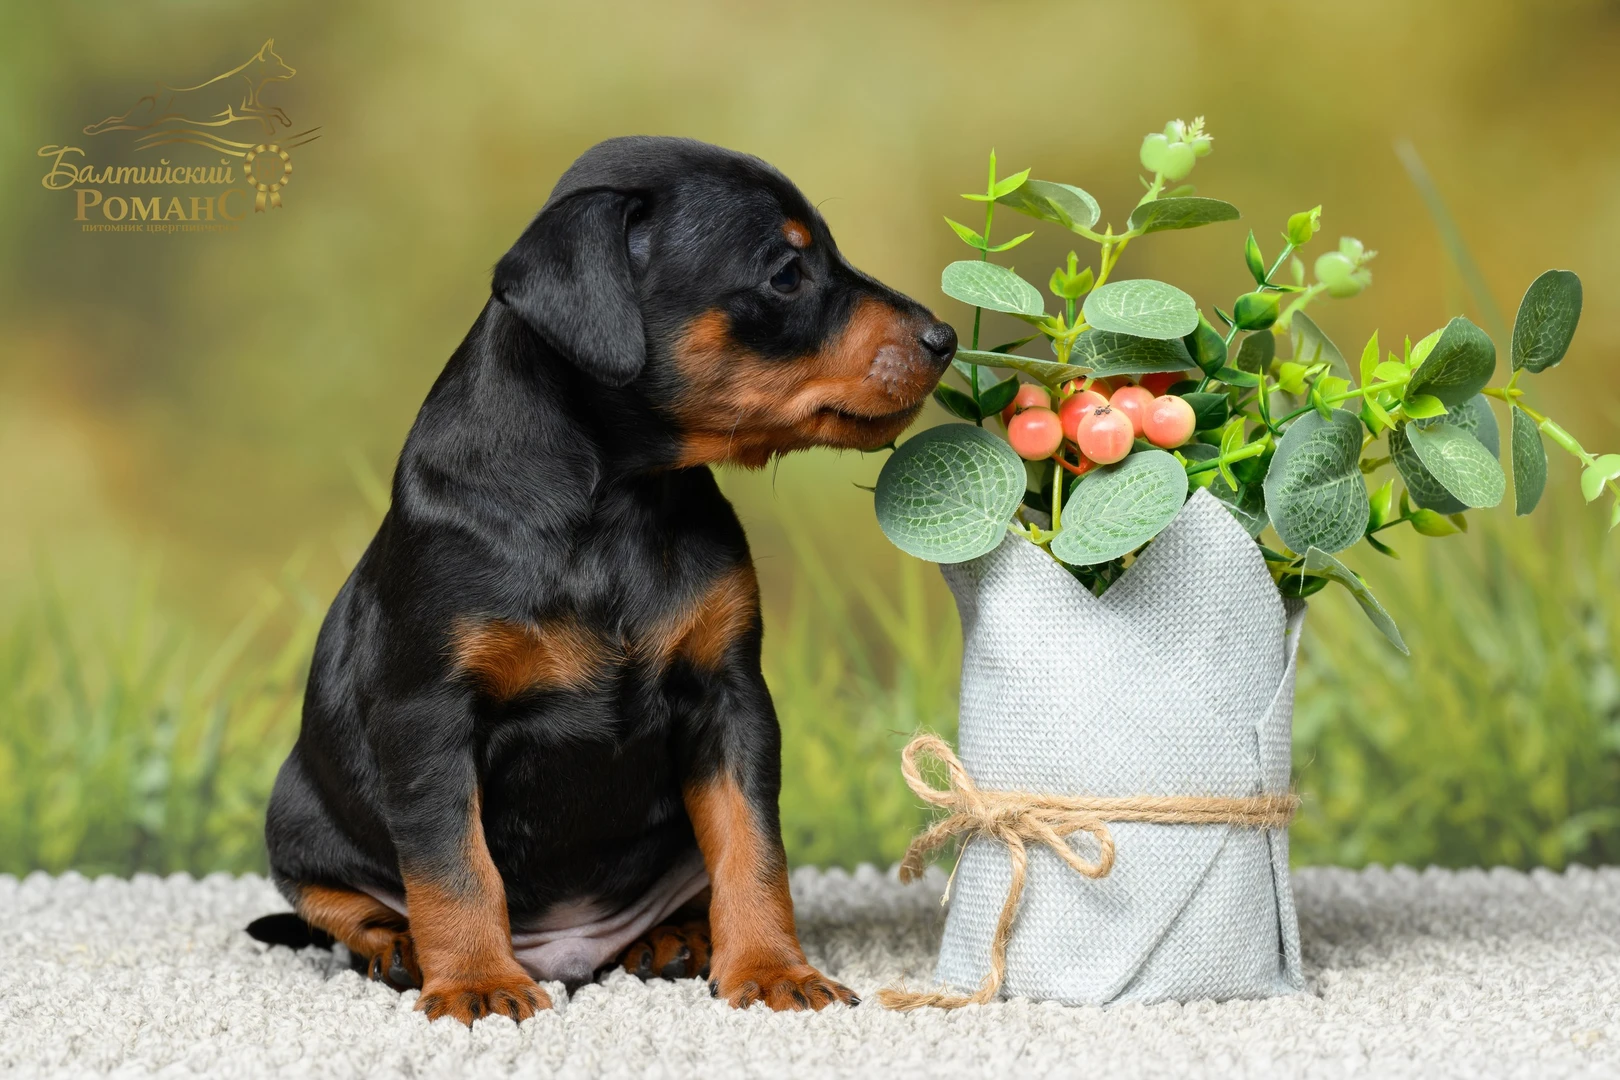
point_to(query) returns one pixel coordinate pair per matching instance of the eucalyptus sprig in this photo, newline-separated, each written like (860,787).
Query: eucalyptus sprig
(1285,442)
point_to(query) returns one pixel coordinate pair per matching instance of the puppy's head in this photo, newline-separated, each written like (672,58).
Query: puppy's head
(703,282)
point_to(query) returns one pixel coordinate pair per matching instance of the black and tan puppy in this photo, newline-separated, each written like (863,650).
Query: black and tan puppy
(536,738)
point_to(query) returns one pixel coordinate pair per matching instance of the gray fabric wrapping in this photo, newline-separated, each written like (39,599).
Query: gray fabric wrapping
(1179,680)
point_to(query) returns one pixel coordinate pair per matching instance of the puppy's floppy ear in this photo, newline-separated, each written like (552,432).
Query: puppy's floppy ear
(569,277)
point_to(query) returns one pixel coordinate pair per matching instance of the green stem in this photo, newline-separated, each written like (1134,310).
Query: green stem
(1057,496)
(1276,266)
(1248,450)
(1334,399)
(1286,318)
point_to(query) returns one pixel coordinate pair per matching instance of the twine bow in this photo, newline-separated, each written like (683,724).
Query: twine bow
(1019,818)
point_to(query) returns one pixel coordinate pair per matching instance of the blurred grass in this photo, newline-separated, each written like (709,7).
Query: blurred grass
(128,746)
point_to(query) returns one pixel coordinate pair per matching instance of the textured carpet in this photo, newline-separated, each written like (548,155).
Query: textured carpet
(1410,974)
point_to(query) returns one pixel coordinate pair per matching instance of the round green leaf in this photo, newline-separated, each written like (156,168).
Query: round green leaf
(1546,321)
(1143,307)
(1118,508)
(948,493)
(1474,417)
(1109,353)
(1181,213)
(1315,495)
(1061,204)
(1458,366)
(1460,462)
(986,285)
(1529,463)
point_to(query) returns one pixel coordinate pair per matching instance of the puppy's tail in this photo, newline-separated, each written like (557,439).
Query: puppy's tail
(286,928)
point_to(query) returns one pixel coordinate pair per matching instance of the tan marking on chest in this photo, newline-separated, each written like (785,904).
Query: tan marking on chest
(702,631)
(507,658)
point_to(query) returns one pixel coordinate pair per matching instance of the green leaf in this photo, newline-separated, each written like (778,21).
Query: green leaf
(998,397)
(1382,505)
(1008,183)
(1010,244)
(1460,462)
(957,403)
(986,285)
(1118,508)
(947,494)
(1312,346)
(1415,354)
(969,237)
(1529,463)
(1303,225)
(1142,307)
(1206,346)
(1061,204)
(1049,372)
(1108,353)
(1431,523)
(1375,416)
(1256,352)
(1389,371)
(1187,213)
(1315,495)
(1255,311)
(1291,377)
(1424,407)
(1546,321)
(1254,260)
(1474,417)
(1369,360)
(1320,562)
(1209,410)
(1598,473)
(1457,367)
(1233,377)
(1069,286)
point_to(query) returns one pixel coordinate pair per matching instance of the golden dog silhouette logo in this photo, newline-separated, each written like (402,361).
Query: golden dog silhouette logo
(235,121)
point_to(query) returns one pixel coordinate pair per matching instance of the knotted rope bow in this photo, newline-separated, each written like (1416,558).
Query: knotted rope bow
(1015,818)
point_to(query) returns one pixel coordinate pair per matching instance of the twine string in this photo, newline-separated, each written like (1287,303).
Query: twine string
(1019,818)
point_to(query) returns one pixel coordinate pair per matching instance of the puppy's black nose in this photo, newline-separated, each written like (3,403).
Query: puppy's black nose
(940,339)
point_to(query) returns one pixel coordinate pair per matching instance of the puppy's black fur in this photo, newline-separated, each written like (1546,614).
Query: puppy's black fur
(546,665)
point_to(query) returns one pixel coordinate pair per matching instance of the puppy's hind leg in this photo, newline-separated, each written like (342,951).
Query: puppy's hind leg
(374,933)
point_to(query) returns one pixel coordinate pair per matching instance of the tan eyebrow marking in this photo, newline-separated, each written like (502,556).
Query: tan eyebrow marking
(797,234)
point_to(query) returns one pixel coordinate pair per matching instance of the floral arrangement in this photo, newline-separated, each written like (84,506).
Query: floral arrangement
(1144,400)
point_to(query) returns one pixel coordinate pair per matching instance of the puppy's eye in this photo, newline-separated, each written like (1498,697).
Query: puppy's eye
(786,280)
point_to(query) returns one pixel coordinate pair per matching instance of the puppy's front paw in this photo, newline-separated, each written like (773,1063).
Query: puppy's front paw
(780,986)
(511,994)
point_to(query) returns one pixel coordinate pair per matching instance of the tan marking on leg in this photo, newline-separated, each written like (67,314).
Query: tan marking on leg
(367,927)
(464,939)
(756,954)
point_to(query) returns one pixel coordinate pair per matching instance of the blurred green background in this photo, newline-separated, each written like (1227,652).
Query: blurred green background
(196,430)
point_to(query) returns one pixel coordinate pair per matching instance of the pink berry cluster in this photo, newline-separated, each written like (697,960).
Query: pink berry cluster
(1100,419)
